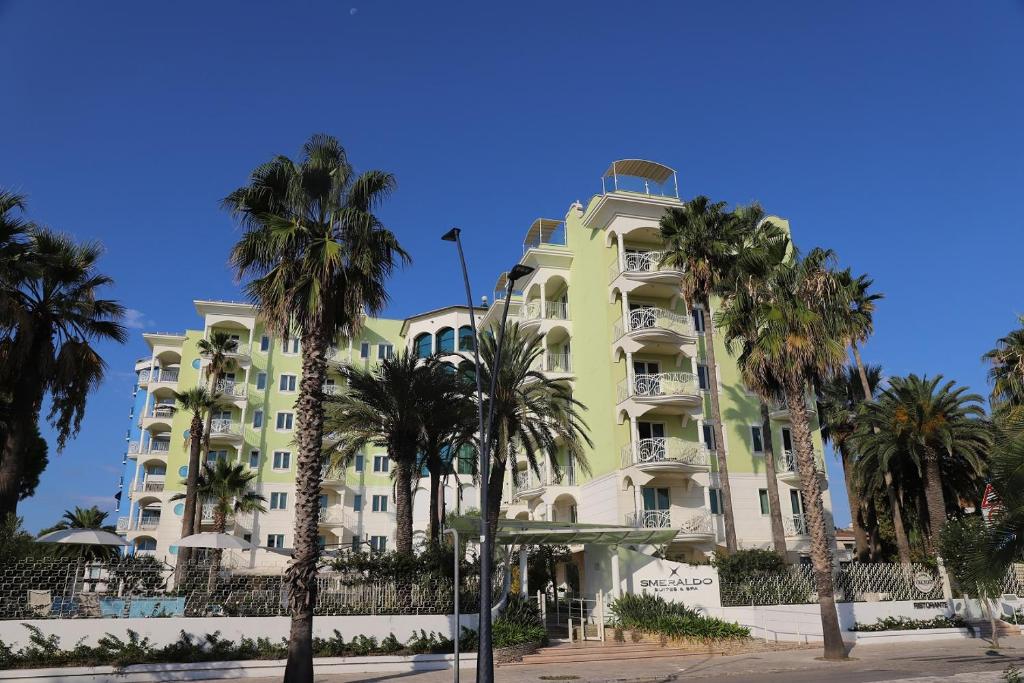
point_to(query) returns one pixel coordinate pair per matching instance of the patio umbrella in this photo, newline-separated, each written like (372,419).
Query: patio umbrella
(83,537)
(210,539)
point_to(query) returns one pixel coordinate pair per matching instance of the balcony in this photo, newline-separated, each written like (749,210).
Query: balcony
(539,318)
(331,516)
(526,484)
(229,390)
(795,525)
(146,523)
(674,392)
(154,447)
(333,477)
(240,355)
(225,430)
(161,414)
(151,483)
(160,376)
(336,356)
(331,389)
(557,363)
(668,455)
(644,267)
(695,528)
(788,469)
(780,412)
(651,326)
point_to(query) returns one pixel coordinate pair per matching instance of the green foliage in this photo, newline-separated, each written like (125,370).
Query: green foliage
(908,624)
(743,563)
(519,623)
(1012,675)
(16,544)
(433,562)
(653,614)
(745,573)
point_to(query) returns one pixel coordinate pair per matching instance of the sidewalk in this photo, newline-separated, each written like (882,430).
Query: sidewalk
(956,660)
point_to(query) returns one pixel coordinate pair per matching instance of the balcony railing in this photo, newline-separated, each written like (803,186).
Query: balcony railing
(558,362)
(795,525)
(208,510)
(654,318)
(786,463)
(552,310)
(148,522)
(224,427)
(124,523)
(162,410)
(665,449)
(161,375)
(150,484)
(700,523)
(330,515)
(331,389)
(640,262)
(328,473)
(154,446)
(652,385)
(567,478)
(231,389)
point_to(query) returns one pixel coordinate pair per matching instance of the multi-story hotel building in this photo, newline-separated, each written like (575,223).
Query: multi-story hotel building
(612,323)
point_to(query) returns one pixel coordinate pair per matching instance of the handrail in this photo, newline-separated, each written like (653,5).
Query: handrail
(659,384)
(665,449)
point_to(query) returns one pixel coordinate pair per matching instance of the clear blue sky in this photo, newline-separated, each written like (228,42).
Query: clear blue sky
(891,132)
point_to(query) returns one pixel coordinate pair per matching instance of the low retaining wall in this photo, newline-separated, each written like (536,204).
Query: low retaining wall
(163,631)
(918,635)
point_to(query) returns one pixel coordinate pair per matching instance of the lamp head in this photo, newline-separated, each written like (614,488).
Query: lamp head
(518,272)
(452,235)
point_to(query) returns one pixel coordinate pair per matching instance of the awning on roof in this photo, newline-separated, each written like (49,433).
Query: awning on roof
(541,230)
(640,168)
(518,531)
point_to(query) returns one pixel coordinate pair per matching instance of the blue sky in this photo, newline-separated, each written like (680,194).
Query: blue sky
(891,132)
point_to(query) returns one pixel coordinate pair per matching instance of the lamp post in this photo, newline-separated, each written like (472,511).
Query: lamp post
(485,654)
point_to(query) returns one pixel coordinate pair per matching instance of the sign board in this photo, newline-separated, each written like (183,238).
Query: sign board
(693,585)
(924,582)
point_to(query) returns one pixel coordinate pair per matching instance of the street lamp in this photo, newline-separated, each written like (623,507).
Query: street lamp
(485,655)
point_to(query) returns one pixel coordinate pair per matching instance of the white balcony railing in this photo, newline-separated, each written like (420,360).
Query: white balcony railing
(143,376)
(552,310)
(162,410)
(654,318)
(230,388)
(795,525)
(700,523)
(124,523)
(208,510)
(224,427)
(168,375)
(665,449)
(786,463)
(151,484)
(330,515)
(659,384)
(148,522)
(558,362)
(640,262)
(331,389)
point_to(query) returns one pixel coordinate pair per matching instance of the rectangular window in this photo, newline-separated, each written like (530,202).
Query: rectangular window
(214,456)
(279,500)
(359,463)
(275,540)
(702,376)
(698,319)
(282,460)
(757,438)
(284,421)
(380,463)
(321,542)
(257,419)
(264,343)
(709,436)
(467,456)
(357,501)
(364,350)
(261,381)
(287,383)
(380,504)
(254,459)
(290,346)
(762,495)
(787,440)
(384,351)
(379,543)
(715,501)
(247,538)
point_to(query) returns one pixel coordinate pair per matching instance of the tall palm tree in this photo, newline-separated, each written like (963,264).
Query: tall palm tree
(1007,370)
(928,423)
(54,318)
(199,402)
(790,331)
(386,407)
(840,404)
(217,351)
(316,258)
(701,239)
(535,416)
(859,320)
(85,518)
(226,488)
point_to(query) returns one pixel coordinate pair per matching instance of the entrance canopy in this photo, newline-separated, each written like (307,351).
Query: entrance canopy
(519,531)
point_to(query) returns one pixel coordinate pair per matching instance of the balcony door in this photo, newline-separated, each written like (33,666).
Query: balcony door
(789,459)
(651,444)
(656,506)
(645,377)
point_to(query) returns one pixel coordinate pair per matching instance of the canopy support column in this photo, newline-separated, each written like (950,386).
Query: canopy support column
(616,580)
(523,556)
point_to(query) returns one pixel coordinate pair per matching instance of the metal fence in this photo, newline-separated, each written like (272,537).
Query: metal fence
(62,589)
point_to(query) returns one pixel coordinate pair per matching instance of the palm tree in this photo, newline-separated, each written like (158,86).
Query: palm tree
(226,488)
(932,425)
(534,416)
(199,402)
(217,351)
(317,259)
(1007,369)
(53,319)
(789,331)
(387,407)
(839,405)
(859,320)
(701,239)
(85,518)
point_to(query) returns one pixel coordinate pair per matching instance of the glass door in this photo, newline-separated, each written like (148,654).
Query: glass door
(651,445)
(656,507)
(645,378)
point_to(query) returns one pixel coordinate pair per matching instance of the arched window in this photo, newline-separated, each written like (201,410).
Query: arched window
(145,543)
(421,345)
(446,340)
(465,338)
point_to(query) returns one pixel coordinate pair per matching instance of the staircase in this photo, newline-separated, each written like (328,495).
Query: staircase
(596,651)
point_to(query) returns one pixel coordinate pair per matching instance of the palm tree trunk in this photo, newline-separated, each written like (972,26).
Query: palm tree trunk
(775,508)
(496,487)
(716,418)
(899,530)
(300,576)
(865,385)
(26,400)
(403,504)
(436,518)
(934,497)
(220,525)
(874,538)
(821,549)
(10,468)
(860,535)
(188,519)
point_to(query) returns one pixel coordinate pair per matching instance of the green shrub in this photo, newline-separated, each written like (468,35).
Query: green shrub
(908,624)
(653,614)
(520,623)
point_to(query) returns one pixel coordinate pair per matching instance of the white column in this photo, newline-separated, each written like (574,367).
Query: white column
(622,253)
(616,581)
(544,356)
(625,311)
(543,300)
(547,470)
(350,349)
(629,368)
(634,438)
(523,591)
(548,510)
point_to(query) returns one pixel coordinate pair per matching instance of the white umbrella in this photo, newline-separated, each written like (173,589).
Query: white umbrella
(83,537)
(210,539)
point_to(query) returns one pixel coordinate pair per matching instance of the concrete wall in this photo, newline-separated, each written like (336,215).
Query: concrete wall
(163,631)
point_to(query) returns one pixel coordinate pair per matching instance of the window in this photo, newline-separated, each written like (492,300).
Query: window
(321,542)
(709,436)
(757,438)
(286,383)
(279,500)
(702,376)
(446,340)
(698,319)
(655,498)
(290,346)
(715,501)
(261,381)
(467,456)
(357,501)
(359,463)
(379,543)
(465,338)
(275,540)
(762,495)
(284,421)
(247,538)
(254,458)
(796,501)
(385,351)
(323,501)
(379,504)
(282,460)
(364,350)
(264,343)
(214,456)
(787,440)
(421,346)
(356,543)
(380,463)
(257,419)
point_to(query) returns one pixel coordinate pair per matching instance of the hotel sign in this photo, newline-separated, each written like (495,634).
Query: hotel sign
(694,585)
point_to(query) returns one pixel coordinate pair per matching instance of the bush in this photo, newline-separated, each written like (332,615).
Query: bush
(907,624)
(746,573)
(653,614)
(520,623)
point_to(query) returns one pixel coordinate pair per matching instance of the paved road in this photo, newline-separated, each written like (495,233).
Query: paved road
(967,661)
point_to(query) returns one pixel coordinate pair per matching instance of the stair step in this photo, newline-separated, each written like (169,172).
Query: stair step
(604,652)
